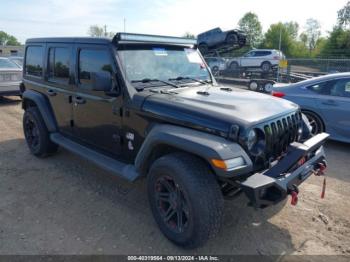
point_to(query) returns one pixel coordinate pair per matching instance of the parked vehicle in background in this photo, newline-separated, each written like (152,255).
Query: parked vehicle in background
(216,38)
(325,100)
(10,77)
(266,59)
(216,64)
(17,59)
(143,106)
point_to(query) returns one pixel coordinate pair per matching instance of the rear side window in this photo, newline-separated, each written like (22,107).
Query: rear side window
(34,61)
(320,88)
(59,60)
(262,53)
(93,62)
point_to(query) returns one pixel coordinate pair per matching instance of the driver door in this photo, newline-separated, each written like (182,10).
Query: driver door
(246,60)
(96,116)
(335,107)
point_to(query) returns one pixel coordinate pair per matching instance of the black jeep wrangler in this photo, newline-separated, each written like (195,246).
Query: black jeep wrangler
(144,106)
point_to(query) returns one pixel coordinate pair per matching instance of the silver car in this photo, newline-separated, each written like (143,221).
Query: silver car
(324,100)
(17,59)
(266,59)
(216,64)
(10,77)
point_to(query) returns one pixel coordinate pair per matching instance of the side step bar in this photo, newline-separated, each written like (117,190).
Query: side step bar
(116,167)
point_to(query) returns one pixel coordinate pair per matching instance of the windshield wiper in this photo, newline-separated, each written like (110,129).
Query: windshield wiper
(180,78)
(148,80)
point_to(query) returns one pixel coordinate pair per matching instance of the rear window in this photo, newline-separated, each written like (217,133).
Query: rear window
(59,64)
(34,61)
(5,63)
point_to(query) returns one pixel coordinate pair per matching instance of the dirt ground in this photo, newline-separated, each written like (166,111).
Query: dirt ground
(65,205)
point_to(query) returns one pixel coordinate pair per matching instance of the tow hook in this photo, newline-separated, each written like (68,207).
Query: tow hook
(294,191)
(320,168)
(319,171)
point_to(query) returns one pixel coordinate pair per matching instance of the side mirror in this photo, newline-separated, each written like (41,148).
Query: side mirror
(101,81)
(113,93)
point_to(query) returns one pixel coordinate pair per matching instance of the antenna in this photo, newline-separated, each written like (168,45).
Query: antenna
(124,20)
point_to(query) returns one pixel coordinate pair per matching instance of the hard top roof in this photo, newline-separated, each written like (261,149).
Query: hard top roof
(90,40)
(119,38)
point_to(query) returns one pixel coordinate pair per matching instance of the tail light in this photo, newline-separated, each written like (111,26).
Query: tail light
(278,94)
(276,57)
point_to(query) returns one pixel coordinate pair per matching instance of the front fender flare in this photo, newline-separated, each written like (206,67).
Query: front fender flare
(203,145)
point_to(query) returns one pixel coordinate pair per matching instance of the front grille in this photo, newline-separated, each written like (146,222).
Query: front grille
(10,76)
(280,133)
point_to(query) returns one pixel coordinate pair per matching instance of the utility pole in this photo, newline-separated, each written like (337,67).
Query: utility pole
(279,48)
(124,24)
(279,45)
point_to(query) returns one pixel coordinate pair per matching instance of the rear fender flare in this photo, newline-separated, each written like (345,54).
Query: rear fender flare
(42,103)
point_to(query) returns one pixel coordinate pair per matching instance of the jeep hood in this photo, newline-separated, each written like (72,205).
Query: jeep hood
(219,108)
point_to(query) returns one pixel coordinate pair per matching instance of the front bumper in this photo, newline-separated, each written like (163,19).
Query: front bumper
(10,88)
(274,184)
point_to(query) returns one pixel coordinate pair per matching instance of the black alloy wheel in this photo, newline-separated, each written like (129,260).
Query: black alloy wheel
(172,204)
(31,133)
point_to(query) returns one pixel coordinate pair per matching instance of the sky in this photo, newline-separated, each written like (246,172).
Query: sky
(39,18)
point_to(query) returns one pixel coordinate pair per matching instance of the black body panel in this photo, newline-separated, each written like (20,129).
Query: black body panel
(122,128)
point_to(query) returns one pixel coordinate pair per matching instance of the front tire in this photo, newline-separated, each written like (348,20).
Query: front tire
(315,122)
(36,134)
(215,70)
(254,86)
(203,48)
(268,87)
(232,39)
(185,199)
(234,66)
(266,67)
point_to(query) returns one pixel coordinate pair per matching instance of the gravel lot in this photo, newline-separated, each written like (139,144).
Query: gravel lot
(65,205)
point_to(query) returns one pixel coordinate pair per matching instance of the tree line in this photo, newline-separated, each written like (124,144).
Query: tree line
(297,43)
(6,39)
(294,42)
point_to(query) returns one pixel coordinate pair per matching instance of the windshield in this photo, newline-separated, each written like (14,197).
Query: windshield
(5,63)
(163,63)
(18,61)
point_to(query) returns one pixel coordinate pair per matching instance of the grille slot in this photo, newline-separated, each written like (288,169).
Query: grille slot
(280,133)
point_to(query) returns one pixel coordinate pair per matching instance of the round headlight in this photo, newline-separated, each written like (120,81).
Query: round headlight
(252,139)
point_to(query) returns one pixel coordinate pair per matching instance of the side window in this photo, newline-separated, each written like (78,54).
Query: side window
(34,61)
(250,54)
(262,53)
(92,62)
(320,88)
(59,64)
(341,87)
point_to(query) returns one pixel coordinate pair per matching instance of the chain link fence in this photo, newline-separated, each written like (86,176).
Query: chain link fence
(318,66)
(298,68)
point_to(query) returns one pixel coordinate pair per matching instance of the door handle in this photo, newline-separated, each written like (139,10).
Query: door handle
(50,92)
(79,100)
(330,102)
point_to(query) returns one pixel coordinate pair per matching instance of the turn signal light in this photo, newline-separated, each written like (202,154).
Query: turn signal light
(229,164)
(219,163)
